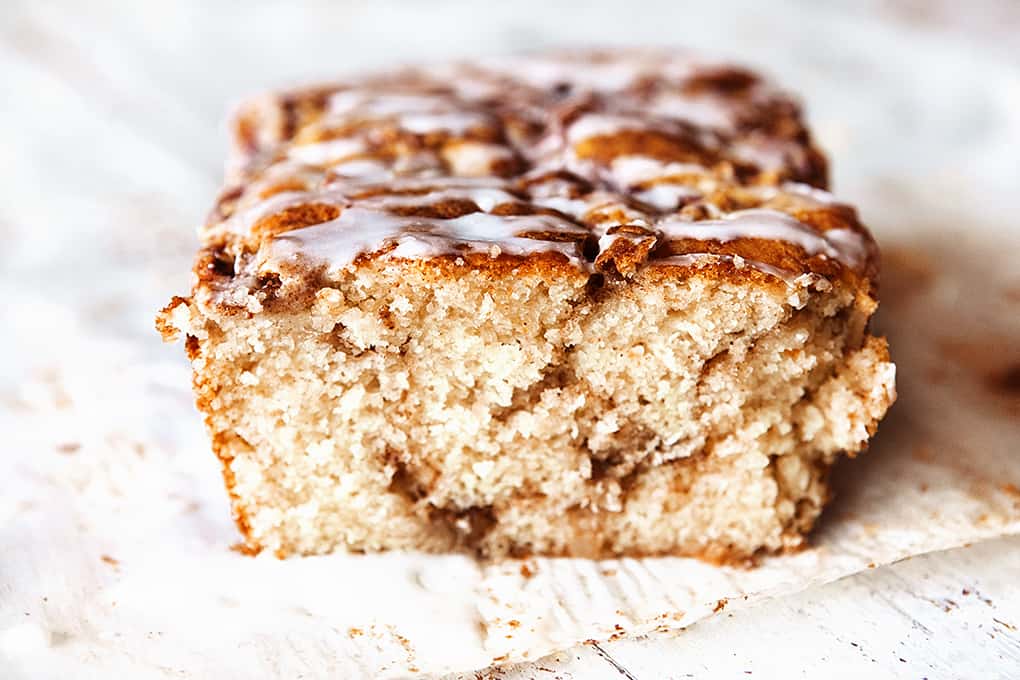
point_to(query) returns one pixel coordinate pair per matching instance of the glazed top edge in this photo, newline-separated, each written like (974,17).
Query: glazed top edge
(612,161)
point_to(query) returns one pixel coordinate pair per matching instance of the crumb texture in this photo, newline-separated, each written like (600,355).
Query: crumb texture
(581,305)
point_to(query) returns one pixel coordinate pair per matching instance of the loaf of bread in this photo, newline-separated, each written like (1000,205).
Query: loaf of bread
(586,304)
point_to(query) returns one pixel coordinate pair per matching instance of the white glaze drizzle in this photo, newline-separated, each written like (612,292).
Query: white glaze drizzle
(475,159)
(367,225)
(455,122)
(702,111)
(766,154)
(485,198)
(815,195)
(694,259)
(601,124)
(666,196)
(362,102)
(242,222)
(419,114)
(847,247)
(362,168)
(338,243)
(630,171)
(575,207)
(325,153)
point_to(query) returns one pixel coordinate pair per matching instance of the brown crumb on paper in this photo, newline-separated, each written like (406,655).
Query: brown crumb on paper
(675,616)
(978,595)
(1005,624)
(945,604)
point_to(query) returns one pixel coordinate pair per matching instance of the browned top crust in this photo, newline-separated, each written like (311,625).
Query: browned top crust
(607,162)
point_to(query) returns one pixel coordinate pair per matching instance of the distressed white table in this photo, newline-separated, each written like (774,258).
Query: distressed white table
(110,150)
(943,615)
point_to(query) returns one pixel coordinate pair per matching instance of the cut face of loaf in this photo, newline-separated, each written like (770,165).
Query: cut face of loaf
(596,333)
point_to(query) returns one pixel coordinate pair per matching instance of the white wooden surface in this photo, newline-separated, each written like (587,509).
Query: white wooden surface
(110,127)
(942,615)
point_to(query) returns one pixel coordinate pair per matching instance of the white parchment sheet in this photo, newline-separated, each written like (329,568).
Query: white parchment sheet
(115,534)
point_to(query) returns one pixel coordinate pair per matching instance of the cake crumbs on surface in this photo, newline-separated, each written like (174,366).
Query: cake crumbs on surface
(1005,624)
(245,549)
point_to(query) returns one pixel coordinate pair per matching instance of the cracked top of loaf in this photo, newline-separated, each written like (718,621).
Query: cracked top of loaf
(612,163)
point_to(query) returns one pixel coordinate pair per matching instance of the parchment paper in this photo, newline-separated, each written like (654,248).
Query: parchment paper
(115,536)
